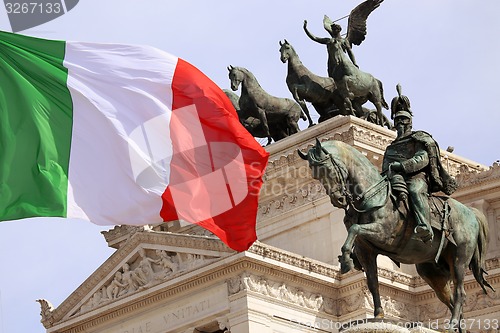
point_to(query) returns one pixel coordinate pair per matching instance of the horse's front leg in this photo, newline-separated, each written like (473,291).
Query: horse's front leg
(297,91)
(265,126)
(380,116)
(347,95)
(372,232)
(368,260)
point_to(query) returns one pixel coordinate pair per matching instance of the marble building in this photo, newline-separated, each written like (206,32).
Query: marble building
(179,278)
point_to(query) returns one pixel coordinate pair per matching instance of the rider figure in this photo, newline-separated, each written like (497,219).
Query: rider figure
(414,156)
(334,31)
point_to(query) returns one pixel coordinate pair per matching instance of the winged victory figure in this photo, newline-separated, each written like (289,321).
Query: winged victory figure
(342,67)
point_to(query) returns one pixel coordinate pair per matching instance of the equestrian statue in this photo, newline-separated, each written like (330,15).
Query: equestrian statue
(403,214)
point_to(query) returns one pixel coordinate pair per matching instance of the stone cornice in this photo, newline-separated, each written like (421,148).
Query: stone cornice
(351,132)
(355,132)
(292,259)
(330,126)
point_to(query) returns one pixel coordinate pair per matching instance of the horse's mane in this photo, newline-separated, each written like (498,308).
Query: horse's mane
(339,148)
(251,77)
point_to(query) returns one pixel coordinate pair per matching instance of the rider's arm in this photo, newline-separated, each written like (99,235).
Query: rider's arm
(419,161)
(314,38)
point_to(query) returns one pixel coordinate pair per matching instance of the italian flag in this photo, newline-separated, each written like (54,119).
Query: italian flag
(122,135)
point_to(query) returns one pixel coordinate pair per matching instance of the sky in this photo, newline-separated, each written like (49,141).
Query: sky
(444,53)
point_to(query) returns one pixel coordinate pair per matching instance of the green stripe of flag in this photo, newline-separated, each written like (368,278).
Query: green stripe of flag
(35,127)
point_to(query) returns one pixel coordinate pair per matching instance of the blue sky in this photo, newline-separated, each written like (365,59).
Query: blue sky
(443,52)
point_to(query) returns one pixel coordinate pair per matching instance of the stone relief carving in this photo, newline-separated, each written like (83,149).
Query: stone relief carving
(392,307)
(281,291)
(468,176)
(478,300)
(287,201)
(46,312)
(149,268)
(122,230)
(223,323)
(398,277)
(492,264)
(434,310)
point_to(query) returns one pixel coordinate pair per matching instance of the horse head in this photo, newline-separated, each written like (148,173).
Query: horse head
(236,76)
(286,50)
(331,173)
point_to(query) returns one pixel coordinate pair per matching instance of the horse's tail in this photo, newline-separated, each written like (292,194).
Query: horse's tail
(477,263)
(384,103)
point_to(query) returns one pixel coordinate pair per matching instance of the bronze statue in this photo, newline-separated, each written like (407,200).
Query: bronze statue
(269,110)
(342,67)
(376,226)
(253,125)
(320,91)
(411,162)
(371,116)
(307,86)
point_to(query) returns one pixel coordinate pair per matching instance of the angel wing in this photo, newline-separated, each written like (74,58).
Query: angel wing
(356,28)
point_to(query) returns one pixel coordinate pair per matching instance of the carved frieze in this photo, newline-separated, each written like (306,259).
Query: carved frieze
(433,310)
(286,200)
(281,291)
(478,300)
(149,268)
(353,302)
(394,276)
(393,307)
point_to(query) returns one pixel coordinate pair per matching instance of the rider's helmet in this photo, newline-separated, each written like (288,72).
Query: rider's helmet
(400,103)
(403,113)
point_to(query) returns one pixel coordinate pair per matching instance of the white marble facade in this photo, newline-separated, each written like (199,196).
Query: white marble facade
(179,278)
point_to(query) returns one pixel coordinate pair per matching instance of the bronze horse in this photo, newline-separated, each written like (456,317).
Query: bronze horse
(353,83)
(306,86)
(321,91)
(252,124)
(257,103)
(375,226)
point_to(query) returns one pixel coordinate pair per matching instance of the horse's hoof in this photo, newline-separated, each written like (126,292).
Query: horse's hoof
(379,313)
(346,265)
(344,269)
